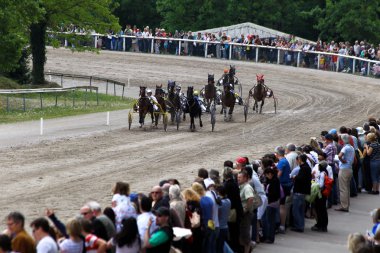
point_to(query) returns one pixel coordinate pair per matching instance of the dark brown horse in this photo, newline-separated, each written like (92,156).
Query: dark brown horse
(173,101)
(193,108)
(259,93)
(210,92)
(228,100)
(144,106)
(160,96)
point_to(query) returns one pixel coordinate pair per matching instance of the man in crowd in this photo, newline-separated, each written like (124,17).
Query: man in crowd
(98,227)
(160,241)
(45,243)
(158,198)
(246,196)
(108,224)
(291,155)
(21,241)
(346,160)
(210,184)
(330,151)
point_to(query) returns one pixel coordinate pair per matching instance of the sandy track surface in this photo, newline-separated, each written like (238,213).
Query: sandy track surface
(64,174)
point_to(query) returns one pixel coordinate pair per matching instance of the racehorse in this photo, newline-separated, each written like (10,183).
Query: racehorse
(259,93)
(173,102)
(228,100)
(193,108)
(210,92)
(144,106)
(160,96)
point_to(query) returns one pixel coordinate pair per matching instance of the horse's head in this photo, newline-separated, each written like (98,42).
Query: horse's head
(232,71)
(159,91)
(260,79)
(227,87)
(142,91)
(171,86)
(210,79)
(190,91)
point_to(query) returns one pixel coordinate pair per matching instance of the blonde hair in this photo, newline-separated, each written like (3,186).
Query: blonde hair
(190,195)
(74,228)
(314,144)
(198,188)
(371,137)
(355,241)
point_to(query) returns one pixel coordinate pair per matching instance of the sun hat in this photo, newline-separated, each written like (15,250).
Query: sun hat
(208,182)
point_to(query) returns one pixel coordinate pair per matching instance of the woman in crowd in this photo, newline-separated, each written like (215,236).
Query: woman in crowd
(121,203)
(128,239)
(176,202)
(75,242)
(320,203)
(193,219)
(373,151)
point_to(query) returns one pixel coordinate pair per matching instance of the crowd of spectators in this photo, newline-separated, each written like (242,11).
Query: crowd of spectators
(227,209)
(143,43)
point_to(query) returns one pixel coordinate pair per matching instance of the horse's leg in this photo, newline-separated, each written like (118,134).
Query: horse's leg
(225,112)
(261,107)
(200,121)
(231,111)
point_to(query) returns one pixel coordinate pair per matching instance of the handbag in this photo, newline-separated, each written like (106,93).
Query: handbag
(257,201)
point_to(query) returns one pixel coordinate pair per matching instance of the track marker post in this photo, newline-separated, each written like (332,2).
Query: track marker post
(41,126)
(108,119)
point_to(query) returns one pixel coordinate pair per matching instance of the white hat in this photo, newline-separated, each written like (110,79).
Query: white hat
(360,130)
(148,90)
(208,182)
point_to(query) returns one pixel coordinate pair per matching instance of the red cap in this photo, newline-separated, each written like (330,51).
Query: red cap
(241,160)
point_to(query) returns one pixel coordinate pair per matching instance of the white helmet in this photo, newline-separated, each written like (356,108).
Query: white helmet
(148,91)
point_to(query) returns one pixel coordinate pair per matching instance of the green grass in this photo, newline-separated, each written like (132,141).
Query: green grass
(64,105)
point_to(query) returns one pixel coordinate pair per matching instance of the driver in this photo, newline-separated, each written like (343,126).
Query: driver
(200,103)
(152,99)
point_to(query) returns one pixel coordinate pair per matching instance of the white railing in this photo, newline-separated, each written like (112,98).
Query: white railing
(349,61)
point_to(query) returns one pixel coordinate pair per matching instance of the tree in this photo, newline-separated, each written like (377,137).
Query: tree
(15,18)
(56,15)
(139,13)
(350,20)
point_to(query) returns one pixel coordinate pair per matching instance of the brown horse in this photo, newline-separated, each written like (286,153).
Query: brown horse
(259,93)
(193,108)
(210,92)
(143,106)
(160,96)
(228,100)
(173,101)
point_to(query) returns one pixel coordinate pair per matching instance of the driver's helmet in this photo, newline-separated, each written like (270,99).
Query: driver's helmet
(148,91)
(178,87)
(226,71)
(196,93)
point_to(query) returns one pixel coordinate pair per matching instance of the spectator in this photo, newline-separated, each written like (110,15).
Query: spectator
(158,198)
(224,213)
(93,244)
(5,243)
(193,213)
(373,151)
(145,206)
(320,203)
(98,227)
(214,222)
(176,202)
(302,186)
(128,239)
(107,222)
(45,243)
(346,159)
(160,241)
(75,243)
(21,241)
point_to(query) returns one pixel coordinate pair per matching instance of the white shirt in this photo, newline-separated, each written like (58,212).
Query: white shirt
(47,245)
(316,172)
(142,224)
(292,159)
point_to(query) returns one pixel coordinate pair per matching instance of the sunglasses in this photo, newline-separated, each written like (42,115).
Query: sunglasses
(155,192)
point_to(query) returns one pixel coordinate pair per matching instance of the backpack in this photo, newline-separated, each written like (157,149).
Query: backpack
(328,186)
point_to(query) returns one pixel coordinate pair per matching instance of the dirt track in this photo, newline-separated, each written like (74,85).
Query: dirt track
(66,173)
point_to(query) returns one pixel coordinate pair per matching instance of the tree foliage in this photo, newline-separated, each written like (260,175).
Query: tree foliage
(89,15)
(15,17)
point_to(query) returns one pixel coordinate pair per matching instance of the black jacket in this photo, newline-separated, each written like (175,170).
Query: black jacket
(302,182)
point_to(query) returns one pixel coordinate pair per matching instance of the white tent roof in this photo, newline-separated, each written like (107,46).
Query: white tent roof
(249,28)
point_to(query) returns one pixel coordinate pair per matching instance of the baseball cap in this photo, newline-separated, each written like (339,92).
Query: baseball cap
(328,137)
(241,160)
(162,211)
(332,131)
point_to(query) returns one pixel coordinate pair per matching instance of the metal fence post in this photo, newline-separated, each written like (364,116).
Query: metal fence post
(124,44)
(206,47)
(41,100)
(152,46)
(7,103)
(368,68)
(62,81)
(23,102)
(97,97)
(179,47)
(96,41)
(353,66)
(56,99)
(337,64)
(278,56)
(230,54)
(319,58)
(257,54)
(298,59)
